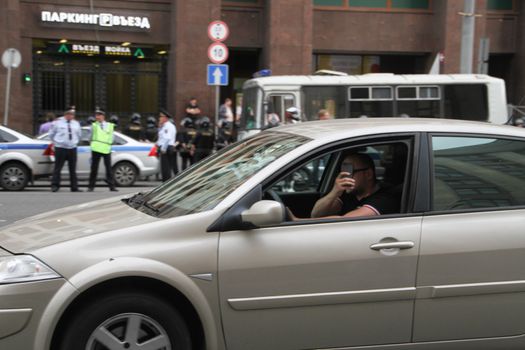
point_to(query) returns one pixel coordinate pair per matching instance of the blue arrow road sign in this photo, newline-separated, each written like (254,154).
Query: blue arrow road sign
(218,74)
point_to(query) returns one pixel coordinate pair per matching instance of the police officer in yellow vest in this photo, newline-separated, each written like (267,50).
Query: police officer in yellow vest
(101,141)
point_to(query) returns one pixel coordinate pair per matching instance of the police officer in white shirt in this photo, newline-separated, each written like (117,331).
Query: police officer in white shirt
(166,145)
(65,134)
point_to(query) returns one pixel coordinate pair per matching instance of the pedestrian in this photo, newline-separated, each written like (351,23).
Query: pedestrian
(225,136)
(185,138)
(166,145)
(323,114)
(45,127)
(204,140)
(134,129)
(192,109)
(292,115)
(226,112)
(101,141)
(65,133)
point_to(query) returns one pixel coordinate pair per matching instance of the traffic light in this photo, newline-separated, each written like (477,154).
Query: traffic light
(27,78)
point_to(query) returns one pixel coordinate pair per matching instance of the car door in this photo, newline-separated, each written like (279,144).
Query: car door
(471,271)
(319,283)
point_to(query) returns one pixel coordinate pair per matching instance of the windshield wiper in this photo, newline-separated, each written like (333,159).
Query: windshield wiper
(151,207)
(135,200)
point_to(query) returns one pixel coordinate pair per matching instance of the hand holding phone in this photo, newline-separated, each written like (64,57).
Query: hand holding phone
(347,168)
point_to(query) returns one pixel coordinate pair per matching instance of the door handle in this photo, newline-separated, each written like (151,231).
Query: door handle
(392,245)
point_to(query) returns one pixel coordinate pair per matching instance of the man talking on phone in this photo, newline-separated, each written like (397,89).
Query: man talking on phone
(356,192)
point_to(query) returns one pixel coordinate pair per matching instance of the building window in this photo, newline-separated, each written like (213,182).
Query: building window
(500,5)
(376,4)
(241,2)
(369,3)
(328,2)
(350,64)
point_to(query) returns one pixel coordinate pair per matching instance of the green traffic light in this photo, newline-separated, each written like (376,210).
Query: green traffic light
(27,78)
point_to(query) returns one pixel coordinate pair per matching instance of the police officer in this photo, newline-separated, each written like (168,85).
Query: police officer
(151,129)
(134,129)
(65,134)
(115,121)
(166,144)
(101,141)
(185,138)
(204,140)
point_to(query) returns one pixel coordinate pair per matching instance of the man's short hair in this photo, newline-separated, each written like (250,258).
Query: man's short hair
(364,159)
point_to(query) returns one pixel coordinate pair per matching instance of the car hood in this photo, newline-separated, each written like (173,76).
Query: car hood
(70,223)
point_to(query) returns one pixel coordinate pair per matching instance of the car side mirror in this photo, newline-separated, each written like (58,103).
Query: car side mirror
(264,213)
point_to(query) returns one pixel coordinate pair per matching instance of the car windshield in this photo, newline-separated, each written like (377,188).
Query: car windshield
(203,186)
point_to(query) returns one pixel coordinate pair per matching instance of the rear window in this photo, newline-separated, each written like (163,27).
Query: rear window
(476,172)
(6,137)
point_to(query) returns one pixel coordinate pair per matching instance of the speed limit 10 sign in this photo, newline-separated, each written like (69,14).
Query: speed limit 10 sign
(218,31)
(218,52)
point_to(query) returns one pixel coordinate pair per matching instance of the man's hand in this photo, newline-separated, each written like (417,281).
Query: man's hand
(342,183)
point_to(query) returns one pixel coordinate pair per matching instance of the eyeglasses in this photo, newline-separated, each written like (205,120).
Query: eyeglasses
(358,170)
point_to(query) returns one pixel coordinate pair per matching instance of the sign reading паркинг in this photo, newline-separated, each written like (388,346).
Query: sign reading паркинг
(100,19)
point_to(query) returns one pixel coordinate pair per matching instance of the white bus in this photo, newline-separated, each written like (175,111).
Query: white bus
(456,96)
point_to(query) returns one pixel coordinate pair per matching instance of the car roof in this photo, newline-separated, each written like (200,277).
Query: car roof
(343,128)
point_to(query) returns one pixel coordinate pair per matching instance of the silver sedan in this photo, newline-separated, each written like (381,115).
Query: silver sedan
(129,159)
(212,259)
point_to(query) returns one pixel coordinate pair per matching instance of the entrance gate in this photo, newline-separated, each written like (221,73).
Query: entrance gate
(119,87)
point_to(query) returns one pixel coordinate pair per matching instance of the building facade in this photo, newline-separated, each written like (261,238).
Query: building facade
(139,55)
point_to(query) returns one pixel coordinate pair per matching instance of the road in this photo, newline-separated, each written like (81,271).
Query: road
(39,198)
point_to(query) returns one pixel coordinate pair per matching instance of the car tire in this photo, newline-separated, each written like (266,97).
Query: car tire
(14,176)
(126,320)
(125,174)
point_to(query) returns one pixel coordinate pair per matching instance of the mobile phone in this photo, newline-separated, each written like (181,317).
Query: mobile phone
(347,168)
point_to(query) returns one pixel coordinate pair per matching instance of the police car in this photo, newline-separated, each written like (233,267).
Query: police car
(129,158)
(22,159)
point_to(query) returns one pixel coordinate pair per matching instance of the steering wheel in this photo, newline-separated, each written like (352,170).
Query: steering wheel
(274,196)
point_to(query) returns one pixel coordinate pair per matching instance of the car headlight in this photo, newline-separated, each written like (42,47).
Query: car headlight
(24,268)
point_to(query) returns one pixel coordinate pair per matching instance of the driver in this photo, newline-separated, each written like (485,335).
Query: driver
(356,192)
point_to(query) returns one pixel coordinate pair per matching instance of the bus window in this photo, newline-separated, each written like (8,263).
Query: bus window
(276,105)
(331,98)
(250,109)
(418,101)
(467,102)
(371,101)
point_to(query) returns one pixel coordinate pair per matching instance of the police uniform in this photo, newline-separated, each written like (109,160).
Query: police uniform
(65,135)
(166,143)
(185,138)
(203,142)
(101,141)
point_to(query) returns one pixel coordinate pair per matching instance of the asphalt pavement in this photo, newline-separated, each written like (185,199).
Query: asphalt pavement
(38,198)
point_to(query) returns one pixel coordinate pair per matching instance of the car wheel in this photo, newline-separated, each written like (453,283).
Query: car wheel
(14,176)
(126,321)
(125,174)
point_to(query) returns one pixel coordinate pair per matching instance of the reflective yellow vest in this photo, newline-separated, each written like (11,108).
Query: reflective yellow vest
(101,140)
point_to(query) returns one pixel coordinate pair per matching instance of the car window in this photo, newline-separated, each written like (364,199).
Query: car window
(6,137)
(300,189)
(477,172)
(205,185)
(305,179)
(117,140)
(85,138)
